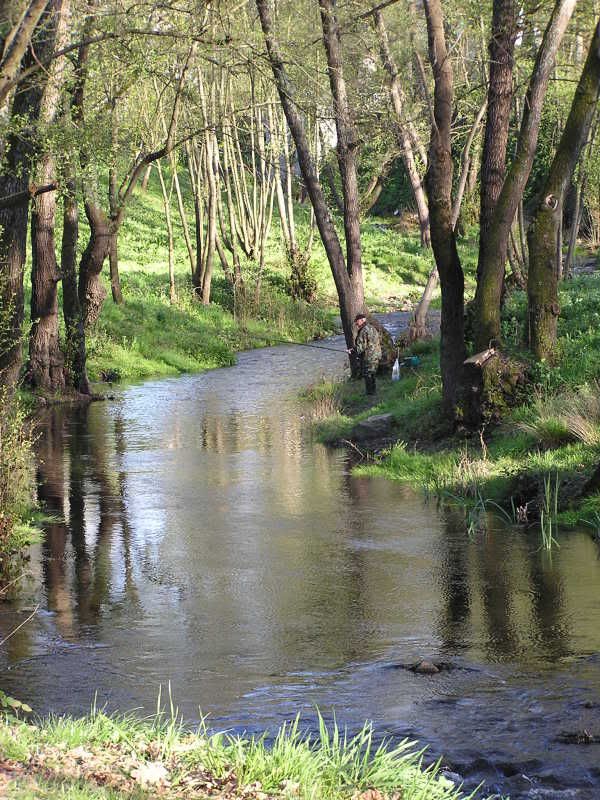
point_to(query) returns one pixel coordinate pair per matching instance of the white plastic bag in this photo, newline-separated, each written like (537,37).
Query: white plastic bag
(396,371)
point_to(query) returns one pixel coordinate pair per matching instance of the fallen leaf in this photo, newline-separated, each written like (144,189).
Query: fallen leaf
(151,774)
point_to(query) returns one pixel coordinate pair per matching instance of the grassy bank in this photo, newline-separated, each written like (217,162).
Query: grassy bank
(110,758)
(536,464)
(149,336)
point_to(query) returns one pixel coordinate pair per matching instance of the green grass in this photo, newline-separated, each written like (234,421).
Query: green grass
(555,434)
(103,756)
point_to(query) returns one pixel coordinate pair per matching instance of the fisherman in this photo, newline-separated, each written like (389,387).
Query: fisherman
(367,347)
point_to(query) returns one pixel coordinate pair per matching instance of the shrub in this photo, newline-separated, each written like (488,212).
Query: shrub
(16,482)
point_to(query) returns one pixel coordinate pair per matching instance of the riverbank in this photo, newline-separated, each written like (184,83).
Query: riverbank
(538,464)
(150,336)
(102,757)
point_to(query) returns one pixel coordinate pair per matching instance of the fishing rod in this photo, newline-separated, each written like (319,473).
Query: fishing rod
(288,341)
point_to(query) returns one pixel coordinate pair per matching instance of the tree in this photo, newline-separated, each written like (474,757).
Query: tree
(351,302)
(494,254)
(542,286)
(46,363)
(14,181)
(438,182)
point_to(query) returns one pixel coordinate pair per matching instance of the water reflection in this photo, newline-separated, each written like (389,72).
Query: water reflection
(202,537)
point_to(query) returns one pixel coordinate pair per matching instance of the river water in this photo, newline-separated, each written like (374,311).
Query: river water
(209,542)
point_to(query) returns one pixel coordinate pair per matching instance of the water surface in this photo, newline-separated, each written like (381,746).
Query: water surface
(209,542)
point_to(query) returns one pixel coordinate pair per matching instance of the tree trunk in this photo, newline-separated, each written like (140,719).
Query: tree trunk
(113,263)
(10,60)
(350,305)
(167,209)
(92,293)
(493,257)
(465,165)
(404,139)
(14,179)
(500,92)
(544,231)
(75,353)
(439,190)
(418,325)
(46,362)
(346,147)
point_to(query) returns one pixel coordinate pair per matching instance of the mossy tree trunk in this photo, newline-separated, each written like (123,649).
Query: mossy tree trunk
(493,260)
(439,190)
(542,291)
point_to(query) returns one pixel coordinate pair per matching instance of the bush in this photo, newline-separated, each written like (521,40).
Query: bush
(16,485)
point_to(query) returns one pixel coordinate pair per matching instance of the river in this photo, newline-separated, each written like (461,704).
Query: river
(206,542)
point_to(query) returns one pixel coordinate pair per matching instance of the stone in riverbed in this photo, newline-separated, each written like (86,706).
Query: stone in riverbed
(425,668)
(374,427)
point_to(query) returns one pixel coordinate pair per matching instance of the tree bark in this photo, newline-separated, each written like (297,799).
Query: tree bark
(500,93)
(491,265)
(439,191)
(171,250)
(92,293)
(543,307)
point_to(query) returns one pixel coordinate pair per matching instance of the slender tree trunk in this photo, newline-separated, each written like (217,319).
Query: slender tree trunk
(167,209)
(418,325)
(349,303)
(146,178)
(113,263)
(211,222)
(346,147)
(544,231)
(465,165)
(493,256)
(75,350)
(439,190)
(404,139)
(10,59)
(574,232)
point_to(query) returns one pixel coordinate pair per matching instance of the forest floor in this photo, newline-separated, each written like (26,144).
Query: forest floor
(536,464)
(109,758)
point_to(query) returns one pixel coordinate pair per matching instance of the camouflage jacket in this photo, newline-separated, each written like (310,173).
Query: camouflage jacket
(368,347)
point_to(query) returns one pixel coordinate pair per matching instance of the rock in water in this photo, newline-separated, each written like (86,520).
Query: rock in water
(373,427)
(426,668)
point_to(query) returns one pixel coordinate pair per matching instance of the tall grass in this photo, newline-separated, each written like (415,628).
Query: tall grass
(330,764)
(572,415)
